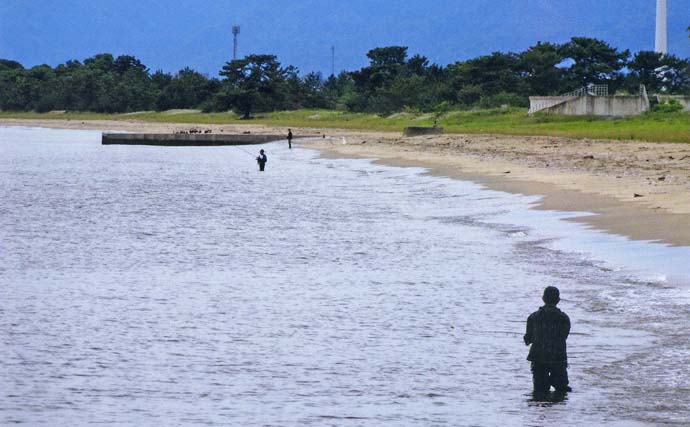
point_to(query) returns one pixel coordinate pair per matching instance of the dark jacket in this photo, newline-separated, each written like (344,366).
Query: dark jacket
(262,158)
(547,330)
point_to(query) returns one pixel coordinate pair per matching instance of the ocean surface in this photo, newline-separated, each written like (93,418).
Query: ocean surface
(179,286)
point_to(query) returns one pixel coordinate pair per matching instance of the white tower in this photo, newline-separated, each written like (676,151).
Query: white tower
(661,44)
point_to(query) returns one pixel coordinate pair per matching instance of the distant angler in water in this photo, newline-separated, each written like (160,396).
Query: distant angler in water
(261,160)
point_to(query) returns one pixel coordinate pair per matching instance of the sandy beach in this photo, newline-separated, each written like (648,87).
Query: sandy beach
(636,189)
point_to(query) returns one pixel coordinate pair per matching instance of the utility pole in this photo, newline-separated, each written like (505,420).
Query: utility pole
(333,61)
(235,33)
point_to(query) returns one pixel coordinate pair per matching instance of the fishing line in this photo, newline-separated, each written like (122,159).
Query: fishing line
(242,149)
(514,333)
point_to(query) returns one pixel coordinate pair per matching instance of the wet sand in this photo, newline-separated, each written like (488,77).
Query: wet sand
(661,217)
(636,189)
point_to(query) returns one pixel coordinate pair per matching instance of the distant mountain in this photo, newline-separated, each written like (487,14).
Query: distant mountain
(172,34)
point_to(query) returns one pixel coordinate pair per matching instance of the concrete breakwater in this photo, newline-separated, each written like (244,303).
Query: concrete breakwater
(186,140)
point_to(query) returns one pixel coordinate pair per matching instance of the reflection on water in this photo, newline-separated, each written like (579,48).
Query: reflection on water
(177,286)
(546,400)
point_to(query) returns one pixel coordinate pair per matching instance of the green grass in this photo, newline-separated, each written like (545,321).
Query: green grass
(661,127)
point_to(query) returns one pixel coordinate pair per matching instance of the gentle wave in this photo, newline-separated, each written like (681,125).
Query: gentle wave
(179,286)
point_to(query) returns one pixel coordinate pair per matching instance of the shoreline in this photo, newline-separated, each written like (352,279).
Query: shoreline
(602,212)
(640,190)
(599,212)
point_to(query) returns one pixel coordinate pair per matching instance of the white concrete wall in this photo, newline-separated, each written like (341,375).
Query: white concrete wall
(595,105)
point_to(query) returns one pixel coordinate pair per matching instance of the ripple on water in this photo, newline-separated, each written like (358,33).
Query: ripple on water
(148,285)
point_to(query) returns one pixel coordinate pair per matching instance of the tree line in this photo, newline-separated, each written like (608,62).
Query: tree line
(393,81)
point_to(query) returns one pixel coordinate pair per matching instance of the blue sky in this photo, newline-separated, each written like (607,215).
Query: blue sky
(172,34)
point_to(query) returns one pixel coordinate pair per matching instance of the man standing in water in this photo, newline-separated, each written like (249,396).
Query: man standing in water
(261,160)
(289,138)
(547,331)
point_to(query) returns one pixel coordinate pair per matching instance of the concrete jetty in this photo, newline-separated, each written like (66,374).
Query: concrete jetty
(187,140)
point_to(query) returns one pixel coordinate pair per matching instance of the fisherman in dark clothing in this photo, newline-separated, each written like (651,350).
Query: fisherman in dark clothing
(261,160)
(289,138)
(547,331)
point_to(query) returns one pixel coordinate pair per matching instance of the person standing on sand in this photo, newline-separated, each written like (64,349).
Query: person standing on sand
(289,138)
(547,331)
(261,160)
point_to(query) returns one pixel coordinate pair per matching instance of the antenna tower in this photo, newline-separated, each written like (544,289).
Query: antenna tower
(235,33)
(333,60)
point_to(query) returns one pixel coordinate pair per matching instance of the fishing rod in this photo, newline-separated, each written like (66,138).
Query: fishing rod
(242,149)
(328,139)
(508,332)
(515,333)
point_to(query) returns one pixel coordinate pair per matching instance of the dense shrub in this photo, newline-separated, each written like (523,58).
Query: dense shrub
(668,106)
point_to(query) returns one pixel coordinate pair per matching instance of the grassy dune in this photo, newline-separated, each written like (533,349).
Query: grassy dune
(661,127)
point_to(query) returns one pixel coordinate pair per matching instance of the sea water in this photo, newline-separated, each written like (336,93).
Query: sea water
(180,286)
